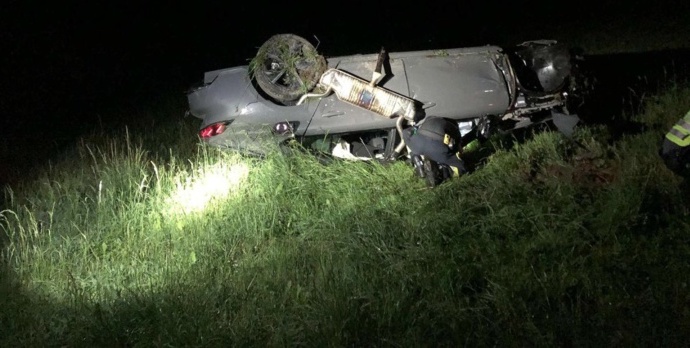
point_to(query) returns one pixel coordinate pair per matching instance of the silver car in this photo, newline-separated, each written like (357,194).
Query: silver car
(355,106)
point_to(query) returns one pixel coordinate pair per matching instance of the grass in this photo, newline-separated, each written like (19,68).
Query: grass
(151,240)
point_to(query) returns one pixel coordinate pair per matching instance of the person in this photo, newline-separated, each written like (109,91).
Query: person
(675,149)
(435,147)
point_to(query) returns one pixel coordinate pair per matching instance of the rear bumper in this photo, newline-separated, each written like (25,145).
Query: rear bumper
(250,139)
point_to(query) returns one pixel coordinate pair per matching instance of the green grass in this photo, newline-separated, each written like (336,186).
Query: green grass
(550,243)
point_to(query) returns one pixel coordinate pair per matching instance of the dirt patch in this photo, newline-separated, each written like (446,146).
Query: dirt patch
(585,170)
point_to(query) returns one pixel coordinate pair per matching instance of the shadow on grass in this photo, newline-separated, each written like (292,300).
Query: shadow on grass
(13,302)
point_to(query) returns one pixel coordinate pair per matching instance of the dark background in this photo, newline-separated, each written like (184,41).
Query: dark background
(73,65)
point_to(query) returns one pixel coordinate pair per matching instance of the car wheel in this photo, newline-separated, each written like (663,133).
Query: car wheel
(286,67)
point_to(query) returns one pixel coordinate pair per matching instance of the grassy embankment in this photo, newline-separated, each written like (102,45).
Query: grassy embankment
(152,240)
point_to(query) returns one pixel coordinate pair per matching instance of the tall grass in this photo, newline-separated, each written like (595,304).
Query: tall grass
(551,242)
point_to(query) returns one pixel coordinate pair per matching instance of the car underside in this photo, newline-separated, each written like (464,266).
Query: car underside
(290,92)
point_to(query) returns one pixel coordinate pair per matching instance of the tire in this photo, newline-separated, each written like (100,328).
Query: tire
(287,66)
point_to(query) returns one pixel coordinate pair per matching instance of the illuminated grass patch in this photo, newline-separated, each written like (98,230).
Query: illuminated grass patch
(207,185)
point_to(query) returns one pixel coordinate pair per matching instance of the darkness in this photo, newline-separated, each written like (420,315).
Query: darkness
(68,67)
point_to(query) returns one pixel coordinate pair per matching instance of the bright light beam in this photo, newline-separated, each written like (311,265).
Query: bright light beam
(211,183)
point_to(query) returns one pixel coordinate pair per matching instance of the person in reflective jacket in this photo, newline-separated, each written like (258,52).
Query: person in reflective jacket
(437,140)
(675,149)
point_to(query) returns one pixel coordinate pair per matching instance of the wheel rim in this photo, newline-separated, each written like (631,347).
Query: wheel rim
(283,62)
(287,67)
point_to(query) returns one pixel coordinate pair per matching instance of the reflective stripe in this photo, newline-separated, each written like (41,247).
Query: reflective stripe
(678,137)
(678,133)
(684,123)
(677,141)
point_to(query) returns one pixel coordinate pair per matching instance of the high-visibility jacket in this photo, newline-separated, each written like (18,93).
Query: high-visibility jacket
(675,149)
(680,133)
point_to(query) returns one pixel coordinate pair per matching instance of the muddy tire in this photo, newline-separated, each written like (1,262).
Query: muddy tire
(287,66)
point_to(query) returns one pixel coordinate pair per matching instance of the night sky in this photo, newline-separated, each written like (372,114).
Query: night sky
(65,64)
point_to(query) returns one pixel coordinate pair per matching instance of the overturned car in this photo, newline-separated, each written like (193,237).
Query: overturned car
(356,106)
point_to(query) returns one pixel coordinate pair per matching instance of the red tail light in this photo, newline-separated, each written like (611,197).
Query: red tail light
(212,130)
